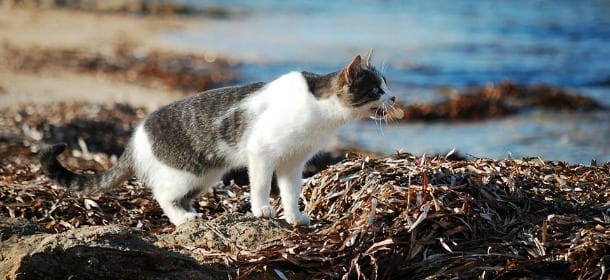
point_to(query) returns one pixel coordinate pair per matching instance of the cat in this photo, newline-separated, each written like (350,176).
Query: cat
(184,148)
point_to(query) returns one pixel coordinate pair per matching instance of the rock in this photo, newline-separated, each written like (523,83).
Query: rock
(96,252)
(28,251)
(233,231)
(12,228)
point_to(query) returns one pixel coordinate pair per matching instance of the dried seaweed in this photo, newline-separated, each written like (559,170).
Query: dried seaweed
(138,7)
(411,217)
(185,72)
(493,101)
(374,218)
(430,217)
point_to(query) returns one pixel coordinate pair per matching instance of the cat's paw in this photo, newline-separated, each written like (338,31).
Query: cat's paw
(265,211)
(299,219)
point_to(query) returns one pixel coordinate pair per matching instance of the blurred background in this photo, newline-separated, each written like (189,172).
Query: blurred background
(432,52)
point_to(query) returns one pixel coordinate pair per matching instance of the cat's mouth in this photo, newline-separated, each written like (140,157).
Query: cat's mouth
(386,110)
(380,111)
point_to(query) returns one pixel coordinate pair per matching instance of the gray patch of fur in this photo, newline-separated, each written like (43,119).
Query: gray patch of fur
(233,127)
(321,86)
(186,133)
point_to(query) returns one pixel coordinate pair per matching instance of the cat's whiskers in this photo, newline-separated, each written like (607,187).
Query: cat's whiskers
(376,117)
(379,120)
(386,114)
(382,114)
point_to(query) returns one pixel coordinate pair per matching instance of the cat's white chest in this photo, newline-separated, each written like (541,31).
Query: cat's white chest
(287,117)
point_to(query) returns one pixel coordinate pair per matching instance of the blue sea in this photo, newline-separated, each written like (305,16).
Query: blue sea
(426,47)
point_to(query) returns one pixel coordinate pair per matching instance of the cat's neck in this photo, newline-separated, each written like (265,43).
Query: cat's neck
(321,86)
(325,89)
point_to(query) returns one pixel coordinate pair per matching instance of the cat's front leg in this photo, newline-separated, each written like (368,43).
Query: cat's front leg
(260,170)
(289,177)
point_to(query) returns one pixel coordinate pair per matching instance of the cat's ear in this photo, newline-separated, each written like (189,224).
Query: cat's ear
(367,61)
(351,70)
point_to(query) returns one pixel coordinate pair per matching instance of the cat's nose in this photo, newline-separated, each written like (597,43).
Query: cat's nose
(393,99)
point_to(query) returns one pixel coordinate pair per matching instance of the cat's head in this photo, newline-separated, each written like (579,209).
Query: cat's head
(363,89)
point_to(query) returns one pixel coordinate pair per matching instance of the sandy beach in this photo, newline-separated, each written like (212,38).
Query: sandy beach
(101,33)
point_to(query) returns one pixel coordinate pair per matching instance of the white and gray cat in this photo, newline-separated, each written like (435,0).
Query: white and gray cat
(184,148)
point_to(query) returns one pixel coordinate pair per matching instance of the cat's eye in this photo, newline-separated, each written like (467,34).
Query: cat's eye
(375,91)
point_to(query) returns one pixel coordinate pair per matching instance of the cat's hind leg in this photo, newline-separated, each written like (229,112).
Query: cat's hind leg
(173,204)
(174,190)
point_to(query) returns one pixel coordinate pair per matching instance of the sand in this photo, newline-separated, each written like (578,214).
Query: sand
(96,32)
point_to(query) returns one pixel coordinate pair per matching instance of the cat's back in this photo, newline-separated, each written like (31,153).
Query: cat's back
(225,97)
(203,106)
(200,117)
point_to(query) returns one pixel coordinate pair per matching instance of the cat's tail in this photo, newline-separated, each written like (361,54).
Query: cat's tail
(110,178)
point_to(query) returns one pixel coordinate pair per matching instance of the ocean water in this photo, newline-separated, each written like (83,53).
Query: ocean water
(425,46)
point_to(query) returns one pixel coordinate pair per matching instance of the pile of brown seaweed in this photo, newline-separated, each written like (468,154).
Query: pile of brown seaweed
(185,72)
(89,127)
(27,193)
(406,217)
(139,7)
(493,101)
(388,218)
